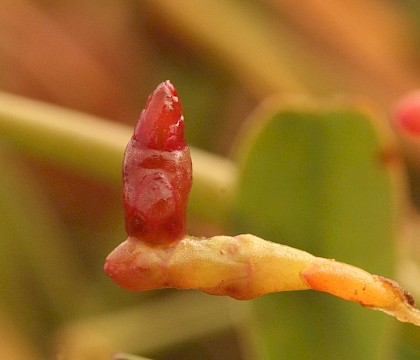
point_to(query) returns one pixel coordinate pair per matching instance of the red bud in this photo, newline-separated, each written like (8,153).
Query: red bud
(157,171)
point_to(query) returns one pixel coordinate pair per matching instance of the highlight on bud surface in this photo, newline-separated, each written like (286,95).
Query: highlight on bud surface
(157,173)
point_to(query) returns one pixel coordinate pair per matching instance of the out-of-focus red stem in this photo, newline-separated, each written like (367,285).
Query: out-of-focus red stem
(406,114)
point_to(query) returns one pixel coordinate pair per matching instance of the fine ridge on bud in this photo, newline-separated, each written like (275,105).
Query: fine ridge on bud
(157,171)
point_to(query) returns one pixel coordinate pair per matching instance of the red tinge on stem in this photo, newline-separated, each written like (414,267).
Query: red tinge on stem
(157,171)
(406,114)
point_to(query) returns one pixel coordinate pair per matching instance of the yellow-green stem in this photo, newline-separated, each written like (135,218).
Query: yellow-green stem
(96,146)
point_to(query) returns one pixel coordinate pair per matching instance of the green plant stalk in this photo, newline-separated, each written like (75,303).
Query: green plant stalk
(159,325)
(124,356)
(63,136)
(95,147)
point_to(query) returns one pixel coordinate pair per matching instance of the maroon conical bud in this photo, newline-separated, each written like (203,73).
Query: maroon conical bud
(157,171)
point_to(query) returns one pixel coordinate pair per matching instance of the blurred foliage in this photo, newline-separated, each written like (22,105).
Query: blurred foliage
(60,188)
(313,177)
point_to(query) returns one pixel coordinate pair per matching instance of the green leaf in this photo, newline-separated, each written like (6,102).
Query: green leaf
(320,178)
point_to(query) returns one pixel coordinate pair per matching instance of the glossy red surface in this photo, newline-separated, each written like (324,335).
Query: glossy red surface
(157,171)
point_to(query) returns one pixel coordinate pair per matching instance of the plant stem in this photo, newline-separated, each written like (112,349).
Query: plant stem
(95,147)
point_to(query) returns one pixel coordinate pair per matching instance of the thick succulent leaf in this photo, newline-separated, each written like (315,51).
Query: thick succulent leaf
(324,179)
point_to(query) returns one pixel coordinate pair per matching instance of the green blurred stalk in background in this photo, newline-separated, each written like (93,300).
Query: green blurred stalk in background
(96,146)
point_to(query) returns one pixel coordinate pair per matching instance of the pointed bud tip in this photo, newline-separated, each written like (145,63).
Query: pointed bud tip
(169,87)
(161,124)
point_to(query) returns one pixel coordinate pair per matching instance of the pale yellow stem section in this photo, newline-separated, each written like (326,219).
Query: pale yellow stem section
(246,266)
(242,267)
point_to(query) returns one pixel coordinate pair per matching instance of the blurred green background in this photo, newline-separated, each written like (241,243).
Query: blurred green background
(319,168)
